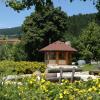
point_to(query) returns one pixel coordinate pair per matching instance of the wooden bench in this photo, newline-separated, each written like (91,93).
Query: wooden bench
(52,74)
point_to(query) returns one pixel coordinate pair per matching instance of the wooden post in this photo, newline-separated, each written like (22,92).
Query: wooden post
(73,72)
(60,78)
(66,58)
(57,57)
(70,58)
(47,57)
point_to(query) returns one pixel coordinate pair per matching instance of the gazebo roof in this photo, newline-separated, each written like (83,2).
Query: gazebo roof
(58,46)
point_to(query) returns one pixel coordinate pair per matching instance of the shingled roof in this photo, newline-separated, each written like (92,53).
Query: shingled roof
(58,46)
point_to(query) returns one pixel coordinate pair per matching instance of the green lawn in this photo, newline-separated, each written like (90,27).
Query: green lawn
(89,67)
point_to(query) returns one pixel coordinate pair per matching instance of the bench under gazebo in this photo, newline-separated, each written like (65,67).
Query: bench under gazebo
(58,53)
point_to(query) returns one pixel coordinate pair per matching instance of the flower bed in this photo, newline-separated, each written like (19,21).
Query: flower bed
(32,89)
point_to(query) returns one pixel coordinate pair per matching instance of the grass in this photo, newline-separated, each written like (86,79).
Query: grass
(90,67)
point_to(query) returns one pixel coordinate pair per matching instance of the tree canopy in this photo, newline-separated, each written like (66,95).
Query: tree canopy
(88,43)
(21,4)
(39,4)
(43,28)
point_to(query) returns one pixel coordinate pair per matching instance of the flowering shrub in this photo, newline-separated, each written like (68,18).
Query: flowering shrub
(22,67)
(32,89)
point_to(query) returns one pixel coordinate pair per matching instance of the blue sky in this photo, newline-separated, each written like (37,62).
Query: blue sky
(10,18)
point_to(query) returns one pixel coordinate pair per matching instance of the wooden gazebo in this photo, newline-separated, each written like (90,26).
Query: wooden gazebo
(59,53)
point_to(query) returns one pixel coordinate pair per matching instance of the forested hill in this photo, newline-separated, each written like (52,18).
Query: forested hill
(79,22)
(15,31)
(76,24)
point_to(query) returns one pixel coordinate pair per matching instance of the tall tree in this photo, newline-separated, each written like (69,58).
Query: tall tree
(43,28)
(88,43)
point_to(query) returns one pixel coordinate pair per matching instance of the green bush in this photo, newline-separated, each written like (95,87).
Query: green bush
(22,67)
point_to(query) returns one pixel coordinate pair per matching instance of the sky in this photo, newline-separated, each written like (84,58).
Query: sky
(10,18)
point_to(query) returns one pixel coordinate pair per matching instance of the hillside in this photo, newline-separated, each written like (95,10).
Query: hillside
(75,24)
(11,32)
(79,22)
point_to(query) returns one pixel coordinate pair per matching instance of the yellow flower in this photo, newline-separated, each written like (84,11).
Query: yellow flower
(48,82)
(60,95)
(65,92)
(76,89)
(42,80)
(66,81)
(31,82)
(94,88)
(43,87)
(97,81)
(99,85)
(63,80)
(90,89)
(80,91)
(72,97)
(89,98)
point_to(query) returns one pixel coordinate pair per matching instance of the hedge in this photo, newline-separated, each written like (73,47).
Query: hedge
(22,67)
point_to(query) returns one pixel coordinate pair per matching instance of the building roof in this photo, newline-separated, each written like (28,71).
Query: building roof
(58,46)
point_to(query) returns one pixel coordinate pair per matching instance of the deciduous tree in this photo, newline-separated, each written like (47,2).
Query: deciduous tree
(43,28)
(89,42)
